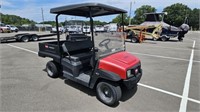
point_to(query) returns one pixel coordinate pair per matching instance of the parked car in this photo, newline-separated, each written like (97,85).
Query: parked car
(99,28)
(60,29)
(112,27)
(86,29)
(12,28)
(4,29)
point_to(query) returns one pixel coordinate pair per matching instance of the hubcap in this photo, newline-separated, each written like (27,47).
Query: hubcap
(25,39)
(49,71)
(106,93)
(35,38)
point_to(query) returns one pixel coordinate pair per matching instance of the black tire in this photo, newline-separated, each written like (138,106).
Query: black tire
(134,40)
(25,39)
(154,39)
(164,38)
(16,30)
(108,93)
(180,39)
(34,37)
(1,31)
(52,69)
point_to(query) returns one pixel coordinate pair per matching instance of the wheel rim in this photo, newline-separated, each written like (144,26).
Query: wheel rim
(35,38)
(49,70)
(105,93)
(25,39)
(163,38)
(134,40)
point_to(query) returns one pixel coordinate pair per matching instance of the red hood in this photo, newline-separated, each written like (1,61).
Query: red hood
(118,63)
(125,58)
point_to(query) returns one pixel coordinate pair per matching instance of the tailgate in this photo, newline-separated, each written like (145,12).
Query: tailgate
(49,49)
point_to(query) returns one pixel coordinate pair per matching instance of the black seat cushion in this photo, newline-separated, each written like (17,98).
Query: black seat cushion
(80,57)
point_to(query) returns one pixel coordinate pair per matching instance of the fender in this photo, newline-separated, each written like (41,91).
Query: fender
(108,75)
(104,74)
(19,36)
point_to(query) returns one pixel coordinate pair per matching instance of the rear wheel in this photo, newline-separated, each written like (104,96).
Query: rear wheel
(180,39)
(25,39)
(1,31)
(108,93)
(34,37)
(164,38)
(52,69)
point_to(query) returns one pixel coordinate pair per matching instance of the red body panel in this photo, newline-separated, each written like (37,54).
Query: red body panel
(118,63)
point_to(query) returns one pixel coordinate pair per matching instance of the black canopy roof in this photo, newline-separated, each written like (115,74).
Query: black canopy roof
(97,9)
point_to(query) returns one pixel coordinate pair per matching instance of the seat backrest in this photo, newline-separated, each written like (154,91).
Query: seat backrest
(77,37)
(75,47)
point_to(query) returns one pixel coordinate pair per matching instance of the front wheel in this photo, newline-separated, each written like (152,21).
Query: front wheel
(134,40)
(108,93)
(164,38)
(25,39)
(16,30)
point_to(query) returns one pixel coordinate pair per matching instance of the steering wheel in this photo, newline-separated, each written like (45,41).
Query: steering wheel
(104,43)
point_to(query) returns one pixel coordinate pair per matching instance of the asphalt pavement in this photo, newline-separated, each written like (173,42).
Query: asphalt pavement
(170,81)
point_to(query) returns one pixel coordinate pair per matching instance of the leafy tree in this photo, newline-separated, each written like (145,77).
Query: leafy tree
(176,14)
(118,19)
(139,13)
(193,19)
(15,20)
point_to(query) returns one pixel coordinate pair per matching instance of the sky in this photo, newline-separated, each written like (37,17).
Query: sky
(32,9)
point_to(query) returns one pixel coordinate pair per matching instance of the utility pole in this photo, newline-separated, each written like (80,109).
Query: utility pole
(0,14)
(43,18)
(130,13)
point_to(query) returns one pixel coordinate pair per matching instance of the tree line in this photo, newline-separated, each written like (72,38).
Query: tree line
(15,20)
(176,15)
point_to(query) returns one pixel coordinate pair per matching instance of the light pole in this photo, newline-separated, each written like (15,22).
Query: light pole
(43,18)
(0,14)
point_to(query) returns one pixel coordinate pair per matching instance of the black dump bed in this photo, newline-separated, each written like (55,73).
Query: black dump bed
(50,49)
(75,44)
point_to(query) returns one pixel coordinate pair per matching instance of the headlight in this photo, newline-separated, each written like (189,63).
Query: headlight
(133,72)
(129,74)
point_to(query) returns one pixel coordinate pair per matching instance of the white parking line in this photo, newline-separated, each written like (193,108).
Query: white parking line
(143,85)
(165,57)
(184,100)
(169,93)
(22,48)
(156,46)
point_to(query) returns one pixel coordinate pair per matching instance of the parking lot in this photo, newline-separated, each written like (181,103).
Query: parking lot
(170,81)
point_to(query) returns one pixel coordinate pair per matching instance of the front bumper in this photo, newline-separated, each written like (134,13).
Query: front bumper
(131,82)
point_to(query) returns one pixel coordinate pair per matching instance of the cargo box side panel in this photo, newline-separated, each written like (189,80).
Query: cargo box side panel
(49,50)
